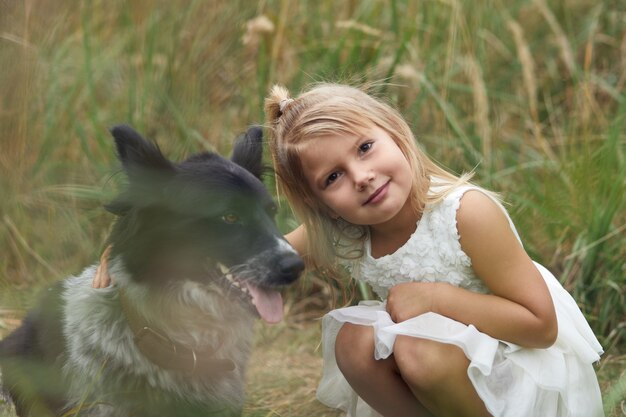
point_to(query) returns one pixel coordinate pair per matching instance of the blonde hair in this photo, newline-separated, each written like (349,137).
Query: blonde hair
(335,110)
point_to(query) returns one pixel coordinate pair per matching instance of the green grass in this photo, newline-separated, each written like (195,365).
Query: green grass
(531,94)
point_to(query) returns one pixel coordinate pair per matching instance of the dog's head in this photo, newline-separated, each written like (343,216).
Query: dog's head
(206,219)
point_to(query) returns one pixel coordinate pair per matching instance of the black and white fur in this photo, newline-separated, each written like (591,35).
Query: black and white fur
(189,240)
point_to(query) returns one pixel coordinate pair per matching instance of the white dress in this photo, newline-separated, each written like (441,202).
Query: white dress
(512,381)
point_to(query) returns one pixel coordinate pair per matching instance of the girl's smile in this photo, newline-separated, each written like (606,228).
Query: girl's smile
(378,195)
(365,179)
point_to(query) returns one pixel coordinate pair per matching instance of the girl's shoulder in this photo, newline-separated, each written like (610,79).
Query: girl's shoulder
(463,201)
(445,189)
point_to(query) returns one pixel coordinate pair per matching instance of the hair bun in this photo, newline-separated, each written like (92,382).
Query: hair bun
(276,103)
(283,104)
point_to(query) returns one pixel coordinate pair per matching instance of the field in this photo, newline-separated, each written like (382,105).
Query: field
(530,94)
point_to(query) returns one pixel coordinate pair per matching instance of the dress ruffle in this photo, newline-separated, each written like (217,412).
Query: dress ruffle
(512,382)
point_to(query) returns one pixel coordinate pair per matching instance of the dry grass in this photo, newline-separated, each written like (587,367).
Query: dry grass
(284,371)
(481,106)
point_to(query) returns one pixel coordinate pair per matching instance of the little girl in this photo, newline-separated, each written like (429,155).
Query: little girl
(469,325)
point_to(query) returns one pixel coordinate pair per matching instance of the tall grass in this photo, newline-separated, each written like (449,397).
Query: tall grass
(530,94)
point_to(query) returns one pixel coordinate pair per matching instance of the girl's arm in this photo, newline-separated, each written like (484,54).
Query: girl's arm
(520,308)
(102,278)
(298,239)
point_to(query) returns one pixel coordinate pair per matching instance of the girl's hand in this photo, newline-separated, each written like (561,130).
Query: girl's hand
(102,278)
(411,299)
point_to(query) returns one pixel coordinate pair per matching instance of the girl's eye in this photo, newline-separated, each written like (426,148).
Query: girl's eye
(230,218)
(366,146)
(331,178)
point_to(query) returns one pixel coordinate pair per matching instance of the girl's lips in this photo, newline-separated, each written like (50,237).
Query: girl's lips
(378,194)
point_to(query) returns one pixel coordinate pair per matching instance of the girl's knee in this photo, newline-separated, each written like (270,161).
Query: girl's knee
(354,348)
(426,365)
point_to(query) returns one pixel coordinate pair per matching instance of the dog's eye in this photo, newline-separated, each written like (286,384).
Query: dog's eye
(230,218)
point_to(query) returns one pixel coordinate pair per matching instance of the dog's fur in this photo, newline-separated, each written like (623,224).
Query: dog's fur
(179,224)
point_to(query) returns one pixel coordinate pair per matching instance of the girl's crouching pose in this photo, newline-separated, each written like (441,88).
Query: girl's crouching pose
(469,325)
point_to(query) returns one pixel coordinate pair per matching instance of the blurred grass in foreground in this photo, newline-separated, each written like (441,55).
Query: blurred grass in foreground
(531,94)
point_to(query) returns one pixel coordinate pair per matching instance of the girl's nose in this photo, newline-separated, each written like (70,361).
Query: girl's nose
(362,179)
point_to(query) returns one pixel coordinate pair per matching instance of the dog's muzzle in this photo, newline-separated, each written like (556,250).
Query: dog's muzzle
(266,302)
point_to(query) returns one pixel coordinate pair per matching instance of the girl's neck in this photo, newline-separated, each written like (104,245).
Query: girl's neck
(388,237)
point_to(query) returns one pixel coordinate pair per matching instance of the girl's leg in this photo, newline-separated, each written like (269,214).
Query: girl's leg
(436,373)
(378,382)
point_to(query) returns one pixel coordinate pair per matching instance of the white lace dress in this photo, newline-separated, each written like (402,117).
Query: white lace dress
(512,381)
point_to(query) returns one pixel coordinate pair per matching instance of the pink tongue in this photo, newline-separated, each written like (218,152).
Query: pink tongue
(269,303)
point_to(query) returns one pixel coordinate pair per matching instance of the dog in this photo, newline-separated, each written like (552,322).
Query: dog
(196,257)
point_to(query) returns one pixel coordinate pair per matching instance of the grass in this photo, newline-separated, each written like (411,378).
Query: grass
(530,94)
(292,350)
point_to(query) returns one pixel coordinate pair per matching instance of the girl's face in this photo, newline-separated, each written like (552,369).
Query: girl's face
(366,179)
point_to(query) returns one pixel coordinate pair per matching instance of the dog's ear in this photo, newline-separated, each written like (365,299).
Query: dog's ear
(248,151)
(146,167)
(139,156)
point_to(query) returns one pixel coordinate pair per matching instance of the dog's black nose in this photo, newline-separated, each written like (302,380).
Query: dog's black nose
(290,266)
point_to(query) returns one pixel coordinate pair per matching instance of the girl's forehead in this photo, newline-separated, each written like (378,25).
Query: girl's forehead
(330,144)
(325,151)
